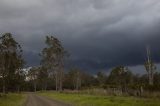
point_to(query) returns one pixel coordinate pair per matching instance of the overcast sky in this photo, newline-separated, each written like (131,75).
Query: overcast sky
(99,34)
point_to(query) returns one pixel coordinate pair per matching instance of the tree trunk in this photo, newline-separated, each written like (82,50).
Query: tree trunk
(78,81)
(4,85)
(60,80)
(18,89)
(150,77)
(45,88)
(77,84)
(56,78)
(150,66)
(35,87)
(4,89)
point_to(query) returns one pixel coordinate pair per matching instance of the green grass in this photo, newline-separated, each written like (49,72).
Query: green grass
(91,100)
(12,99)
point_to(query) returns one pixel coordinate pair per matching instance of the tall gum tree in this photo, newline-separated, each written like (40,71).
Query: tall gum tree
(11,60)
(150,66)
(53,60)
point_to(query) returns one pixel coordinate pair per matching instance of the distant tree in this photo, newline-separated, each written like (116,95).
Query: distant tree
(88,80)
(157,78)
(42,77)
(20,76)
(120,76)
(78,79)
(101,77)
(33,76)
(53,59)
(75,77)
(143,79)
(150,68)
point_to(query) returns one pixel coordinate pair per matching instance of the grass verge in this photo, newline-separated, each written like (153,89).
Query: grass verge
(91,100)
(12,99)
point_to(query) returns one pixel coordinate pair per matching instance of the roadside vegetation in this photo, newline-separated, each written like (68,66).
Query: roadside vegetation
(97,100)
(12,99)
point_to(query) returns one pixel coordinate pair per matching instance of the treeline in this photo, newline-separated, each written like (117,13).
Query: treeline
(75,79)
(51,74)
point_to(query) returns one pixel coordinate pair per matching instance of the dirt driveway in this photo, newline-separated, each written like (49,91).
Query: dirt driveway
(36,100)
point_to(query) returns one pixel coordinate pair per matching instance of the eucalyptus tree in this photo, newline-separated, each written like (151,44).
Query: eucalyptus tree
(53,59)
(74,76)
(150,67)
(101,77)
(11,58)
(33,76)
(120,76)
(42,78)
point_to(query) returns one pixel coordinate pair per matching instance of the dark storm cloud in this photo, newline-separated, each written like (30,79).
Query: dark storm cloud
(99,34)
